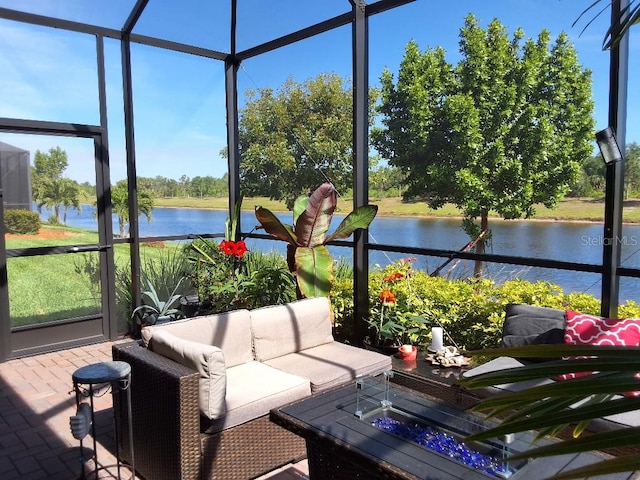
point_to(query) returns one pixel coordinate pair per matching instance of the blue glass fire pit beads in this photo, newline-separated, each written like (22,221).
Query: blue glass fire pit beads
(444,444)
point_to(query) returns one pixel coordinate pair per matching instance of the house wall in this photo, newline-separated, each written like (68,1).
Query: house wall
(15,177)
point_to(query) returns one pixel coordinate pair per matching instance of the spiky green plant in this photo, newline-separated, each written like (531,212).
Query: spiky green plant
(155,308)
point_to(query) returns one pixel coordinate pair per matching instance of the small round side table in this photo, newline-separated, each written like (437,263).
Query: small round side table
(94,380)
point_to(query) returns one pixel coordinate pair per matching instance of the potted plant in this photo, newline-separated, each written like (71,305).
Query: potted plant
(394,320)
(156,310)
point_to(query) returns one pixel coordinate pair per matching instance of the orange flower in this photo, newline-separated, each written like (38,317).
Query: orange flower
(394,276)
(387,297)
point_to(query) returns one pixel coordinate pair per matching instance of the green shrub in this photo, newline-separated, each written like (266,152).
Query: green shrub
(471,310)
(23,222)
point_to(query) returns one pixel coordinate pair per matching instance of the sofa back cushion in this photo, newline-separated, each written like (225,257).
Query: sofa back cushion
(530,325)
(282,329)
(231,331)
(207,360)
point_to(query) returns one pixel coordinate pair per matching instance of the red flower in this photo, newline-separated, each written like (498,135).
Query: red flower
(237,249)
(387,297)
(227,247)
(394,276)
(240,248)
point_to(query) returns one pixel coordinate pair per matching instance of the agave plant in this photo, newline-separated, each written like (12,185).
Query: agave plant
(155,309)
(550,408)
(307,255)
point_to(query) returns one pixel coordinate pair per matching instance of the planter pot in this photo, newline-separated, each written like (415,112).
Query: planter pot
(384,349)
(191,306)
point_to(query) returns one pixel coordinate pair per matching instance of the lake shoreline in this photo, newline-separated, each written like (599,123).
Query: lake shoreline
(426,216)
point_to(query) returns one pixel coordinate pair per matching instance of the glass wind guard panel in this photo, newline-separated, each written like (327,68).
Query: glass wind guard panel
(372,393)
(437,427)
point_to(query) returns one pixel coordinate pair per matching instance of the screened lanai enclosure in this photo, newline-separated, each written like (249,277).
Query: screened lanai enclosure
(110,99)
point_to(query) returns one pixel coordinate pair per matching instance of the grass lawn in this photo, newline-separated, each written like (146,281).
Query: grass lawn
(52,287)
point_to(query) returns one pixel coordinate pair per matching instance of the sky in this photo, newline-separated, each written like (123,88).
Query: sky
(179,114)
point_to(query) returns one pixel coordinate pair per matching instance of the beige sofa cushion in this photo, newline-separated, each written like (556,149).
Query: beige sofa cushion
(253,389)
(282,329)
(332,364)
(230,331)
(207,360)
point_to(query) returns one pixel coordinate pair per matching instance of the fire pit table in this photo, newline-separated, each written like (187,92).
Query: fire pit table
(365,430)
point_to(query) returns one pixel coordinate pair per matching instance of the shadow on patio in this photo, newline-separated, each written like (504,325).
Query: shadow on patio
(36,401)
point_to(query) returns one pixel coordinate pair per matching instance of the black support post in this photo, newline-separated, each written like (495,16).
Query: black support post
(614,175)
(134,236)
(103,191)
(231,65)
(361,165)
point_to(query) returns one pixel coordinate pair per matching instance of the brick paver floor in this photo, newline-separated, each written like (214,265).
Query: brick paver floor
(36,401)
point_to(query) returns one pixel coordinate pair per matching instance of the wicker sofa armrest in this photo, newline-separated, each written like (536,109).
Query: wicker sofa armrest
(165,413)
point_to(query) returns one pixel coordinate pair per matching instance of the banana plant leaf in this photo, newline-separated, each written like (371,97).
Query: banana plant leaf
(313,223)
(314,271)
(275,227)
(299,206)
(361,217)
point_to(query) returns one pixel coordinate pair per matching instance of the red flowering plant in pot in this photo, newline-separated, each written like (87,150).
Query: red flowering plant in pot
(219,272)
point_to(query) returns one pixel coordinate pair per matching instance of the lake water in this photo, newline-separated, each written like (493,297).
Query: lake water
(567,241)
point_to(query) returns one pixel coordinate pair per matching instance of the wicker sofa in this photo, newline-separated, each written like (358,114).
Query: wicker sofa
(202,388)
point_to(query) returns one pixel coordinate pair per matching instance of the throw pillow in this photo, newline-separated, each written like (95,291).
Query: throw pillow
(207,360)
(532,325)
(583,329)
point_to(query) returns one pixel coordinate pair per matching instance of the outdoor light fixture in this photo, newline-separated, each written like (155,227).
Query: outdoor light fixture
(608,146)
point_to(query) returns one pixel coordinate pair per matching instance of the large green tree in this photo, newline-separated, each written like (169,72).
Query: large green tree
(50,188)
(296,138)
(503,130)
(632,170)
(120,203)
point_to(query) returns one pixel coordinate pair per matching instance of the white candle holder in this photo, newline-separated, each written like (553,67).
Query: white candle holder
(437,334)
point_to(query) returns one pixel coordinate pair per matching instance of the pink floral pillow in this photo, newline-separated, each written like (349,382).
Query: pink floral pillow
(583,329)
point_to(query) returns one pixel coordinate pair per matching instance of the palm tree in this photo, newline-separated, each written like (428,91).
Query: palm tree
(629,16)
(57,193)
(120,203)
(552,407)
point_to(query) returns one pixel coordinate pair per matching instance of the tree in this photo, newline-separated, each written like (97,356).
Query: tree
(386,181)
(50,188)
(295,138)
(501,131)
(184,185)
(120,203)
(632,169)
